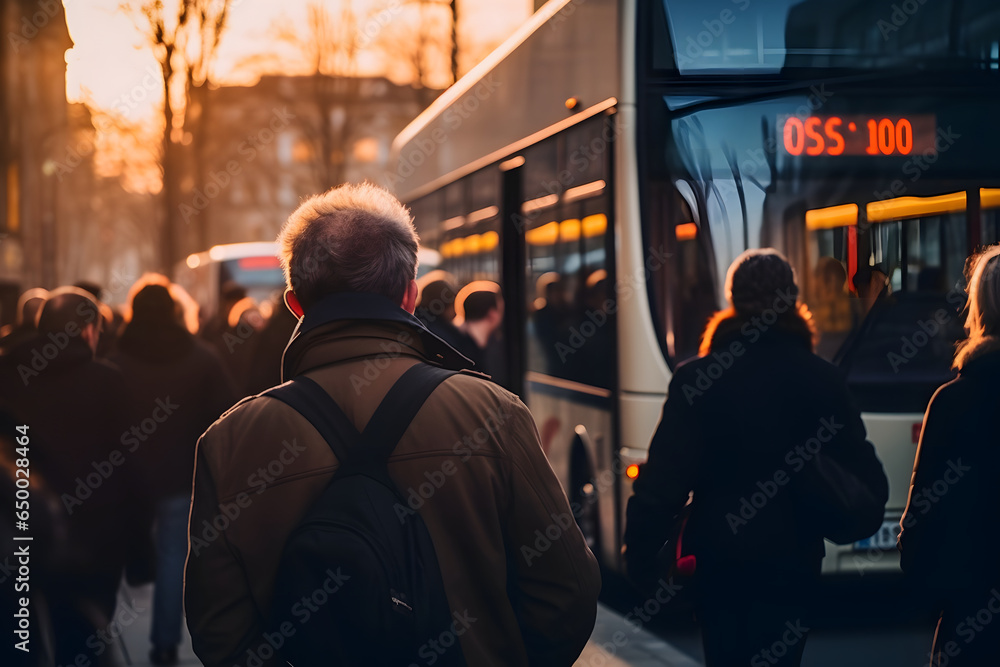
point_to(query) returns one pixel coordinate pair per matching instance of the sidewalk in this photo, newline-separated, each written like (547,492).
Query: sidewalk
(614,643)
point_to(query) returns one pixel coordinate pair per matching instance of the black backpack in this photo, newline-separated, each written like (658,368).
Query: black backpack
(359,581)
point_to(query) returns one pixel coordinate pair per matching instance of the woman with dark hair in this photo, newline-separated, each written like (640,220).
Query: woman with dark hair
(947,546)
(178,388)
(743,431)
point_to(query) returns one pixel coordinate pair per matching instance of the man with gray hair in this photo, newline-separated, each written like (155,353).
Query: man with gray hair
(516,569)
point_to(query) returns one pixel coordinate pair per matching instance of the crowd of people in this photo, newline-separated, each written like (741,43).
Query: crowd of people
(114,401)
(113,404)
(112,421)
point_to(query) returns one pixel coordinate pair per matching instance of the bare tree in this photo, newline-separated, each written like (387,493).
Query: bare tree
(326,48)
(184,39)
(163,30)
(201,47)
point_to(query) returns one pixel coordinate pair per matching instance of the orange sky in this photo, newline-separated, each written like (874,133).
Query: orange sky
(111,66)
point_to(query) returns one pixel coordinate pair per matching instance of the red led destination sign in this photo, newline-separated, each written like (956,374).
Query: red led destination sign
(858,135)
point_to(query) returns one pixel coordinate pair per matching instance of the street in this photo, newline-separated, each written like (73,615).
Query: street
(877,629)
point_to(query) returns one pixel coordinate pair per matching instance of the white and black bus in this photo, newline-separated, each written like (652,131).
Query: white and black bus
(607,163)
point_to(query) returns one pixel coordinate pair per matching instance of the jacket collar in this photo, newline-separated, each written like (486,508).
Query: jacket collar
(982,357)
(354,325)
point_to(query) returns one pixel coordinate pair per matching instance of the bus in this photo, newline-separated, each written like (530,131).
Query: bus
(607,163)
(252,266)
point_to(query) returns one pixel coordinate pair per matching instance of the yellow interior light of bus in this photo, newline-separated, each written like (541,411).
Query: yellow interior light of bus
(539,203)
(453,223)
(489,241)
(569,230)
(989,197)
(473,244)
(547,234)
(915,207)
(512,163)
(687,231)
(453,248)
(632,470)
(845,215)
(583,191)
(193,261)
(595,225)
(483,214)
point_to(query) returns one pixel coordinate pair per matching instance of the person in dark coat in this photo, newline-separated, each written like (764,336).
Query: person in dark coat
(945,547)
(741,428)
(72,406)
(267,347)
(436,307)
(28,305)
(178,387)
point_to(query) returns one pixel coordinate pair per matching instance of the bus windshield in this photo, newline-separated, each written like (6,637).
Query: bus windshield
(876,197)
(761,36)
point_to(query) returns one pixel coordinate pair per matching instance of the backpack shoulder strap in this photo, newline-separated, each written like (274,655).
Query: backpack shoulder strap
(311,401)
(400,406)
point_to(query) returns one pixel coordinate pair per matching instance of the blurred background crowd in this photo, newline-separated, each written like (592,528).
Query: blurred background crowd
(114,401)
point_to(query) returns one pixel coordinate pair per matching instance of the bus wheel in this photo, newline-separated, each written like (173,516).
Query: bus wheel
(584,500)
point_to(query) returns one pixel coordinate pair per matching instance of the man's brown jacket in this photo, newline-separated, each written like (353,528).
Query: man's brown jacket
(519,577)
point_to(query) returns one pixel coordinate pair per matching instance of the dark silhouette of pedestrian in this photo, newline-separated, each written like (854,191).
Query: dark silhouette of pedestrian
(740,429)
(946,550)
(73,406)
(177,387)
(23,329)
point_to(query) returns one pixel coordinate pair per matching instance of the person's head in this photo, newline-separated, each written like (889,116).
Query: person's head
(480,303)
(352,238)
(93,288)
(437,297)
(549,291)
(831,277)
(983,319)
(185,308)
(72,312)
(758,280)
(28,306)
(153,306)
